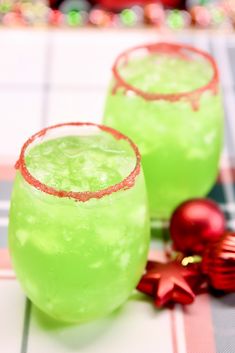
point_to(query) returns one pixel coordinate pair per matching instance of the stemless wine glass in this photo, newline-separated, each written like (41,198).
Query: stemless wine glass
(78,254)
(166,97)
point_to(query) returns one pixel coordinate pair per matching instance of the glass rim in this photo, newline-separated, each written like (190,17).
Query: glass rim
(167,47)
(83,196)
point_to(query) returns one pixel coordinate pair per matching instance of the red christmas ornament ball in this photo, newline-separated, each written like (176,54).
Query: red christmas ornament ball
(195,224)
(219,263)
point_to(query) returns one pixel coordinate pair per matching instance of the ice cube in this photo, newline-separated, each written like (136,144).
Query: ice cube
(22,236)
(124,260)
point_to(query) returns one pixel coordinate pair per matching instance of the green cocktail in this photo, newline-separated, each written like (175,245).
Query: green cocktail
(79,223)
(166,98)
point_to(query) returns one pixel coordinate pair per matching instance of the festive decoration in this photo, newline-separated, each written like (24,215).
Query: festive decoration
(111,13)
(55,18)
(75,12)
(219,263)
(132,17)
(201,16)
(154,14)
(169,283)
(75,18)
(218,15)
(120,4)
(128,17)
(100,18)
(195,224)
(175,19)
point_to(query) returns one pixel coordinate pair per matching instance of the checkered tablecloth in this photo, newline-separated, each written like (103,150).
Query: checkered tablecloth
(56,76)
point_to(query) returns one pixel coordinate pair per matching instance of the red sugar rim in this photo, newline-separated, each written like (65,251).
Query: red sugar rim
(172,48)
(83,196)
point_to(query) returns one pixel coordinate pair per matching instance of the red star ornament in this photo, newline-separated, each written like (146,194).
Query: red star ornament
(169,282)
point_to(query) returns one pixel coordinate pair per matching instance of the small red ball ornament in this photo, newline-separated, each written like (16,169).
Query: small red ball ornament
(195,224)
(219,263)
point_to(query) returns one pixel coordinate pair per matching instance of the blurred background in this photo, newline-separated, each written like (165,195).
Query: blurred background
(56,56)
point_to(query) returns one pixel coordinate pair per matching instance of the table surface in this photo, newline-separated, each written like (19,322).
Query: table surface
(56,76)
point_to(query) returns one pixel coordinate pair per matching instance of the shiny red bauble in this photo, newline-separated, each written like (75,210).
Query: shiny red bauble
(219,263)
(195,224)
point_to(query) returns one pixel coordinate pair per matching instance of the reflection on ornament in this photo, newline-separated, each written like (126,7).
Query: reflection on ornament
(195,259)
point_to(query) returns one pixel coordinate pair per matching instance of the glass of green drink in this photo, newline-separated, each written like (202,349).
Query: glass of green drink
(166,97)
(79,223)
